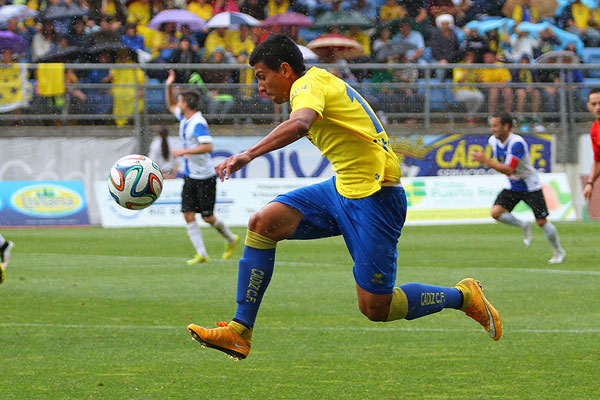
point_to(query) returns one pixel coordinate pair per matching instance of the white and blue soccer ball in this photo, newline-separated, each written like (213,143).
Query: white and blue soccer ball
(135,182)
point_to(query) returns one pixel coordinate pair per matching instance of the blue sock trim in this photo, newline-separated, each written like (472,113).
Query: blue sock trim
(254,274)
(427,299)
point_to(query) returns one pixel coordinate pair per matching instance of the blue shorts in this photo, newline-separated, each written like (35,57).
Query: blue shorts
(370,226)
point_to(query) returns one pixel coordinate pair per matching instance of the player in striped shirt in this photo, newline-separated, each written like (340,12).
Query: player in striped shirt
(512,155)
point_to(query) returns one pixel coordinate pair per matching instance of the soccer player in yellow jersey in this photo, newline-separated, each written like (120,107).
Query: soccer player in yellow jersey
(364,202)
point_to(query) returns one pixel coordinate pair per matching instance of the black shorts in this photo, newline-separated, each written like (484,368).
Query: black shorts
(199,195)
(509,198)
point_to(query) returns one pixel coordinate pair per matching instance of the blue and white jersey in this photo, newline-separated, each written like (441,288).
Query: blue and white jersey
(194,132)
(514,152)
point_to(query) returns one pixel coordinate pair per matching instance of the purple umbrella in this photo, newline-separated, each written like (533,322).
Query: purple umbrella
(287,19)
(180,17)
(9,40)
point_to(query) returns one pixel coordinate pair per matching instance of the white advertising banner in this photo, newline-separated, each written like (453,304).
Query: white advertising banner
(431,200)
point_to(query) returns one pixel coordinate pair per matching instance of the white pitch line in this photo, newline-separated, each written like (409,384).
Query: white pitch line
(296,328)
(311,265)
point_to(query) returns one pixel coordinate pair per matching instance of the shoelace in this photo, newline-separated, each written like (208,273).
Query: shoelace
(222,324)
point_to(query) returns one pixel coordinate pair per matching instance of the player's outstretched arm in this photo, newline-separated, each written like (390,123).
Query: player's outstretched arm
(169,97)
(285,133)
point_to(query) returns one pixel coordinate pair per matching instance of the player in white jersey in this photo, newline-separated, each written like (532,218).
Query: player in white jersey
(512,154)
(200,182)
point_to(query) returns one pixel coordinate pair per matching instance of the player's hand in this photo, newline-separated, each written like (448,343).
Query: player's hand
(171,78)
(478,156)
(587,192)
(231,165)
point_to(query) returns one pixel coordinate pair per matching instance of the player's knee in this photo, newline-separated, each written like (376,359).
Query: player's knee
(541,222)
(495,214)
(374,312)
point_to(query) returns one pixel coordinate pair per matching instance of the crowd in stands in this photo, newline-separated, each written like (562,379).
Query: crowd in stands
(440,32)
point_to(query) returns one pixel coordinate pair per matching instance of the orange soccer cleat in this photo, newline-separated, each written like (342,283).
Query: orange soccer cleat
(476,306)
(223,338)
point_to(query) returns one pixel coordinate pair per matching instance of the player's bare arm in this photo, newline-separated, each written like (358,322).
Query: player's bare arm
(502,168)
(285,133)
(200,149)
(169,96)
(588,188)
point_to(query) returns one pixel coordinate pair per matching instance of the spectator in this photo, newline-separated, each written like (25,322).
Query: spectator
(184,54)
(220,101)
(125,82)
(576,18)
(439,7)
(366,8)
(526,91)
(546,41)
(187,31)
(416,9)
(242,45)
(497,76)
(202,8)
(43,41)
(77,36)
(131,39)
(524,11)
(520,44)
(160,153)
(383,38)
(108,33)
(113,8)
(361,37)
(225,5)
(255,8)
(164,41)
(496,44)
(219,37)
(293,33)
(475,43)
(413,37)
(275,7)
(51,88)
(472,97)
(139,12)
(444,44)
(391,10)
(99,101)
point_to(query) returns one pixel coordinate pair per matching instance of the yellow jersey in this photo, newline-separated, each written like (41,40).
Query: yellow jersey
(347,132)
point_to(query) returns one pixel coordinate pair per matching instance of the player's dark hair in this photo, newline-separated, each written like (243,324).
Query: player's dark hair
(277,49)
(594,90)
(191,98)
(505,118)
(163,133)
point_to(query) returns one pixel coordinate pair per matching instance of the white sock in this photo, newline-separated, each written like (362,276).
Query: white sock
(224,230)
(510,219)
(195,234)
(552,235)
(2,240)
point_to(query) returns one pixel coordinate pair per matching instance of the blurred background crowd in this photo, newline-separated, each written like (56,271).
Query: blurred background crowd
(347,33)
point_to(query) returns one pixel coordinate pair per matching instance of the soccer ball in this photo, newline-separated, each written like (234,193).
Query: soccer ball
(135,182)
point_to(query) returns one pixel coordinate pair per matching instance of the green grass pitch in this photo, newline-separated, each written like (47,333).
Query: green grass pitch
(94,313)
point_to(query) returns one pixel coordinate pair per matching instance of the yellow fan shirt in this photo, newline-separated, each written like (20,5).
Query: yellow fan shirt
(347,132)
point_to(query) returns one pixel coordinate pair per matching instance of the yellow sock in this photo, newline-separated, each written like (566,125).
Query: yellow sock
(245,333)
(258,241)
(398,306)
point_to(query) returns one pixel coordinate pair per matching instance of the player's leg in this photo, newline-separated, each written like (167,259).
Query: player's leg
(207,205)
(373,245)
(501,212)
(5,249)
(537,203)
(189,207)
(299,215)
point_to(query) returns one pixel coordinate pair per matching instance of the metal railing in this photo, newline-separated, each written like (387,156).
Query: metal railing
(424,101)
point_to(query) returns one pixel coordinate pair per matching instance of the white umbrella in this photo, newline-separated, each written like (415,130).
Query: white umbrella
(20,12)
(229,19)
(307,53)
